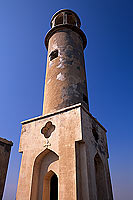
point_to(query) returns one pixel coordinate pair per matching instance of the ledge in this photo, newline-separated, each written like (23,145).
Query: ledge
(61,27)
(51,114)
(62,111)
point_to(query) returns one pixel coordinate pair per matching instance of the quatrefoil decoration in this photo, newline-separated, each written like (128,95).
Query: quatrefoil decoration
(48,129)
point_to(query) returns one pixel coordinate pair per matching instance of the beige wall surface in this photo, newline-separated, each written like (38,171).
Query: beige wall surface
(70,155)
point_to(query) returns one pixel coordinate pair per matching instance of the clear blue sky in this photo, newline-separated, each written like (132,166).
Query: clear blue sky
(108,25)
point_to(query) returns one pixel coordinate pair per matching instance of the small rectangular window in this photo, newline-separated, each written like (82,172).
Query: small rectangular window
(53,55)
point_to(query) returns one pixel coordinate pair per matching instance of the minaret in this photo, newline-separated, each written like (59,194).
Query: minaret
(64,151)
(65,82)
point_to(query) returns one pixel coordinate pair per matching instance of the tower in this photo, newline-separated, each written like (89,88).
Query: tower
(64,151)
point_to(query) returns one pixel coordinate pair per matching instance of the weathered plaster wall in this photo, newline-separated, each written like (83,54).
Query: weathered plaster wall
(62,140)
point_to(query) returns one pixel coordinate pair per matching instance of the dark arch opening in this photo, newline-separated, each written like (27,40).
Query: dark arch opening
(100,179)
(54,188)
(59,20)
(71,19)
(40,188)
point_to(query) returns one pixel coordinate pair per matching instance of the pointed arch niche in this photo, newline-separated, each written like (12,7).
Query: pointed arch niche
(45,176)
(100,178)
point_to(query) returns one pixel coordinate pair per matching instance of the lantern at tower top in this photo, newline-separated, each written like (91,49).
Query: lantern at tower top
(65,16)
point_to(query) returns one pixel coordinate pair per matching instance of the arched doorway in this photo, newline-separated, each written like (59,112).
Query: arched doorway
(54,187)
(100,178)
(43,179)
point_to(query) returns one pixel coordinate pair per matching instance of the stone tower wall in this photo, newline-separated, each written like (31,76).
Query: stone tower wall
(65,82)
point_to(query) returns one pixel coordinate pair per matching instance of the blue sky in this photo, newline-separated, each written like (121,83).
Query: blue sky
(108,25)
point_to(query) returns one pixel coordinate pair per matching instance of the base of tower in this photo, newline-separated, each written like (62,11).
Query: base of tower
(72,151)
